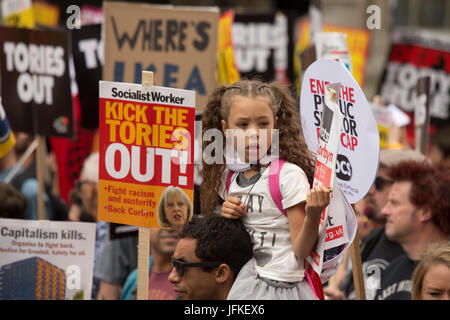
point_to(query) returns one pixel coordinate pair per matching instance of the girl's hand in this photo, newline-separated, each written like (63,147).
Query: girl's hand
(233,208)
(317,199)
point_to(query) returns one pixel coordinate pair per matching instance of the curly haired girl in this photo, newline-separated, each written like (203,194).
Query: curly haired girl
(256,110)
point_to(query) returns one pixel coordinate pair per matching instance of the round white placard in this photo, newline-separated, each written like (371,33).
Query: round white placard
(359,141)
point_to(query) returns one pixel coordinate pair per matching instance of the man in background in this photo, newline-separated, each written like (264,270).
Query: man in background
(417,215)
(162,245)
(208,258)
(377,251)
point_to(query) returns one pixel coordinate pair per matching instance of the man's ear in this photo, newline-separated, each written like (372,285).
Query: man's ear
(223,273)
(425,215)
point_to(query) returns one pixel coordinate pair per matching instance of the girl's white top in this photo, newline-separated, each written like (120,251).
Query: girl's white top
(267,225)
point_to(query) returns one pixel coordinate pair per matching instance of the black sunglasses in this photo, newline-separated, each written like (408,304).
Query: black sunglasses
(180,265)
(381,183)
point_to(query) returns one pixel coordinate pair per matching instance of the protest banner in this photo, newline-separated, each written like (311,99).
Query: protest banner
(415,54)
(261,45)
(358,42)
(87,50)
(324,175)
(46,14)
(338,225)
(18,13)
(42,260)
(178,44)
(91,15)
(357,160)
(146,145)
(35,81)
(227,72)
(422,115)
(331,45)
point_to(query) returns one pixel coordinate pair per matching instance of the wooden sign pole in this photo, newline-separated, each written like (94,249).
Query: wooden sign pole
(144,233)
(358,278)
(40,175)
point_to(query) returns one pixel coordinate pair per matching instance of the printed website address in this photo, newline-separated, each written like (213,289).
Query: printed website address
(232,309)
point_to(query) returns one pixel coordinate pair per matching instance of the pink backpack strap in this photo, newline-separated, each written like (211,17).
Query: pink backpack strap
(274,183)
(229,175)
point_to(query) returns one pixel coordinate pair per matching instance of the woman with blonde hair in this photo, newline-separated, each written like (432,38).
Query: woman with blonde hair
(174,209)
(431,278)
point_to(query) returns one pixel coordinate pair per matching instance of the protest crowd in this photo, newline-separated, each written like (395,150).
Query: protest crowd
(266,151)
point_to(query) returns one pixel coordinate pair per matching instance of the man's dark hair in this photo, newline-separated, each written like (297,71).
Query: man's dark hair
(430,187)
(220,239)
(13,203)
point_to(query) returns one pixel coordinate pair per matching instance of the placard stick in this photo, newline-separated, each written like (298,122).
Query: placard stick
(144,233)
(32,147)
(41,153)
(355,256)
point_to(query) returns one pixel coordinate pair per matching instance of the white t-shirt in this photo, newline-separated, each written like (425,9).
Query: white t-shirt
(267,225)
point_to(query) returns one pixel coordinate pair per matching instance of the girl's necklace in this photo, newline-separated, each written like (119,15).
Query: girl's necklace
(260,175)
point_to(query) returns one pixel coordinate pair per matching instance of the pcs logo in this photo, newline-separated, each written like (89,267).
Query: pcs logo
(343,168)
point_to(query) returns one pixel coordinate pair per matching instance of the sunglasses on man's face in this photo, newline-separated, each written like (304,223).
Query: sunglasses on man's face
(381,183)
(180,265)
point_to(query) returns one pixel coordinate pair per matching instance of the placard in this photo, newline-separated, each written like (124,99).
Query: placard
(46,260)
(384,120)
(261,43)
(146,145)
(332,225)
(18,13)
(87,50)
(358,42)
(415,54)
(331,45)
(178,44)
(357,160)
(35,82)
(46,14)
(227,72)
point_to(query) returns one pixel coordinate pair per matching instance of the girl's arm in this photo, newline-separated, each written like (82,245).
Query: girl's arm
(304,221)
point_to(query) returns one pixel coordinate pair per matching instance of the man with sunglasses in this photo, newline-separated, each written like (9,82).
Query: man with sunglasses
(377,251)
(208,257)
